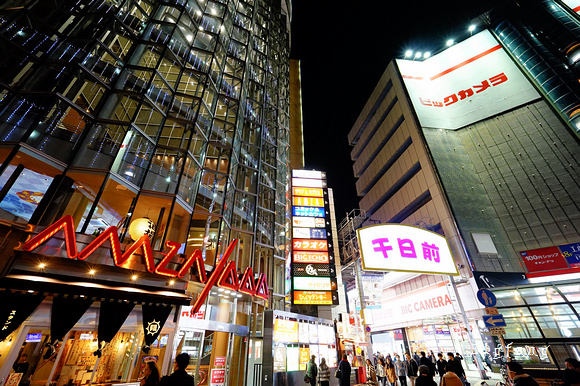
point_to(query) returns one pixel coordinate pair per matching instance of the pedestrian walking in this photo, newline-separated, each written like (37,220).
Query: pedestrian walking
(441,363)
(179,377)
(425,378)
(381,372)
(150,374)
(390,372)
(424,361)
(449,378)
(457,367)
(371,373)
(518,376)
(323,373)
(411,367)
(572,372)
(312,371)
(343,372)
(401,370)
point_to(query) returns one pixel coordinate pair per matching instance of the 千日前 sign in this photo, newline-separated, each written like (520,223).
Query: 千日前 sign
(405,248)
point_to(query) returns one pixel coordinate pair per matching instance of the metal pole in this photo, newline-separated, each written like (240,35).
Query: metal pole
(469,334)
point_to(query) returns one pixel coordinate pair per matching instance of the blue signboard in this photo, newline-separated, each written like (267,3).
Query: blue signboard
(33,337)
(494,321)
(318,234)
(486,297)
(307,211)
(572,254)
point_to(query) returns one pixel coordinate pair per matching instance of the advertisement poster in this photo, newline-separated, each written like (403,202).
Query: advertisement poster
(543,259)
(285,330)
(292,358)
(279,359)
(323,353)
(313,332)
(572,254)
(304,357)
(303,334)
(332,360)
(218,377)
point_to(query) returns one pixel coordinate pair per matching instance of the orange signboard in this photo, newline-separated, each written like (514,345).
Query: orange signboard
(312,297)
(310,257)
(310,245)
(307,192)
(308,201)
(285,330)
(304,358)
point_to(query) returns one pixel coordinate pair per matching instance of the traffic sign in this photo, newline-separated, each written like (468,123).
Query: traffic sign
(494,321)
(368,328)
(491,311)
(497,331)
(486,297)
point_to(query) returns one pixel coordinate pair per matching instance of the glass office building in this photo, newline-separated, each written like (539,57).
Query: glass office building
(169,114)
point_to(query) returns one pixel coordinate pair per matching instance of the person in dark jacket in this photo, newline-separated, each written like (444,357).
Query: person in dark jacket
(441,363)
(179,377)
(424,361)
(457,367)
(150,375)
(572,372)
(344,368)
(425,378)
(517,375)
(412,367)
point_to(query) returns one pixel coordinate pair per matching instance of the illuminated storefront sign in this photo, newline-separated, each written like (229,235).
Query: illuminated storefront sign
(307,183)
(308,222)
(310,245)
(307,211)
(309,233)
(300,173)
(465,83)
(395,247)
(224,274)
(307,192)
(285,330)
(292,358)
(311,270)
(313,297)
(308,201)
(312,283)
(543,259)
(304,358)
(310,257)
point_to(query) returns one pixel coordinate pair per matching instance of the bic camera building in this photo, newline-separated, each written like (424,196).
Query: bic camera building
(480,143)
(139,139)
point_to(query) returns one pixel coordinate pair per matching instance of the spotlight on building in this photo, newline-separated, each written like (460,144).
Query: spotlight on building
(471,28)
(450,42)
(418,55)
(426,55)
(408,53)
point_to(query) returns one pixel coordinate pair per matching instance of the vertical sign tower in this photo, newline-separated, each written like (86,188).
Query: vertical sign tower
(313,262)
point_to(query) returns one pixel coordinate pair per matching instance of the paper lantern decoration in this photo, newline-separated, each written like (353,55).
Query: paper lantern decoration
(141,226)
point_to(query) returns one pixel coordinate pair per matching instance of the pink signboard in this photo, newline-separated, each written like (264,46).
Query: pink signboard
(218,377)
(543,259)
(220,361)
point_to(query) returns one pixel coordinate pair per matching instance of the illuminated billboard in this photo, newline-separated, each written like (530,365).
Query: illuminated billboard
(466,83)
(310,257)
(307,192)
(313,297)
(405,248)
(307,211)
(285,330)
(312,268)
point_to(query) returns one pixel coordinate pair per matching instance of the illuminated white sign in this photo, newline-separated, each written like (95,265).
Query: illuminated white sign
(395,247)
(308,183)
(308,222)
(308,174)
(466,83)
(573,4)
(312,283)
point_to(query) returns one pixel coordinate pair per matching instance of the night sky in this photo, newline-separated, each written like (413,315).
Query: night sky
(344,48)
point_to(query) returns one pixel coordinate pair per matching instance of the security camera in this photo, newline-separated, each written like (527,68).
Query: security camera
(460,266)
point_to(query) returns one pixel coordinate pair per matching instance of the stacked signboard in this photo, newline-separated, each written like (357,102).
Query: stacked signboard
(313,263)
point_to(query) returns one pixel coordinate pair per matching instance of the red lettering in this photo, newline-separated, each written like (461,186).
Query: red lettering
(109,234)
(161,268)
(447,300)
(440,301)
(145,246)
(67,225)
(196,258)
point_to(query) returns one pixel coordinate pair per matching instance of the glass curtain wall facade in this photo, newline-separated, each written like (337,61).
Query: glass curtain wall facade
(175,111)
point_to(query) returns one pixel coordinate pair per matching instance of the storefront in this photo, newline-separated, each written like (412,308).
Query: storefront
(84,310)
(543,325)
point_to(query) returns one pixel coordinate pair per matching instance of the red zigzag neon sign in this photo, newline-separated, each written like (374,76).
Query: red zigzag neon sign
(223,275)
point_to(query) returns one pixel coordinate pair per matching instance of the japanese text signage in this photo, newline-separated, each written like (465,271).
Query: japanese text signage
(405,248)
(312,271)
(543,259)
(465,83)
